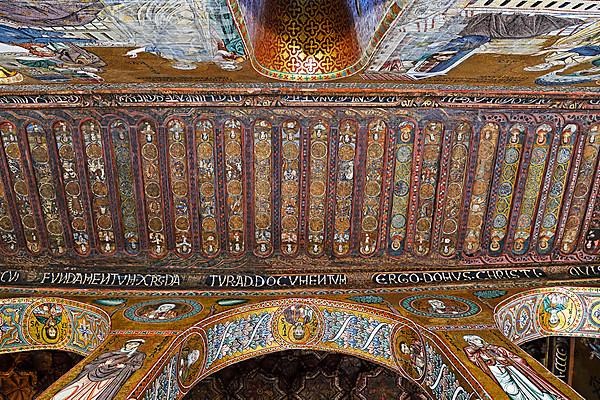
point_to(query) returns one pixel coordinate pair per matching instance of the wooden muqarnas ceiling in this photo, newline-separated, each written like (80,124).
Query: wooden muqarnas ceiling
(423,186)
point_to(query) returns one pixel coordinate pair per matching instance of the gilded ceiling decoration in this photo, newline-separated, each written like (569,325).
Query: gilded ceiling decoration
(454,188)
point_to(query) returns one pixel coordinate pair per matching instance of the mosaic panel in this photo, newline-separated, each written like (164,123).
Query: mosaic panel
(51,323)
(558,187)
(371,207)
(344,187)
(63,136)
(263,187)
(440,306)
(506,187)
(318,183)
(582,190)
(234,180)
(179,185)
(442,382)
(207,205)
(557,311)
(155,219)
(40,159)
(488,142)
(16,171)
(402,181)
(357,333)
(459,156)
(98,181)
(533,184)
(165,386)
(428,183)
(121,143)
(224,338)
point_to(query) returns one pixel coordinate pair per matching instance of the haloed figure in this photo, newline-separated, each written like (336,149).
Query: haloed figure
(518,380)
(103,377)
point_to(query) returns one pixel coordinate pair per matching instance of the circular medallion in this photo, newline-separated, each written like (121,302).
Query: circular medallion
(155,224)
(511,156)
(93,150)
(205,151)
(455,190)
(234,188)
(500,221)
(47,191)
(374,151)
(191,360)
(207,189)
(5,224)
(100,189)
(289,222)
(315,224)
(508,324)
(369,223)
(297,324)
(409,352)
(318,150)
(73,189)
(372,188)
(262,150)
(66,152)
(401,188)
(290,151)
(398,221)
(20,187)
(12,151)
(262,221)
(233,149)
(105,222)
(346,152)
(150,151)
(182,223)
(236,223)
(157,311)
(344,189)
(317,188)
(440,306)
(28,221)
(559,312)
(177,150)
(209,224)
(47,323)
(595,314)
(404,154)
(179,188)
(39,154)
(54,227)
(523,319)
(505,189)
(449,226)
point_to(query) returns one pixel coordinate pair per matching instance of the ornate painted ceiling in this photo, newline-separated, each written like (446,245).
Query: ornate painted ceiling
(212,186)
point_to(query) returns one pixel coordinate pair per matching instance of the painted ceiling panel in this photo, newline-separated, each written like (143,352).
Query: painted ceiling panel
(419,186)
